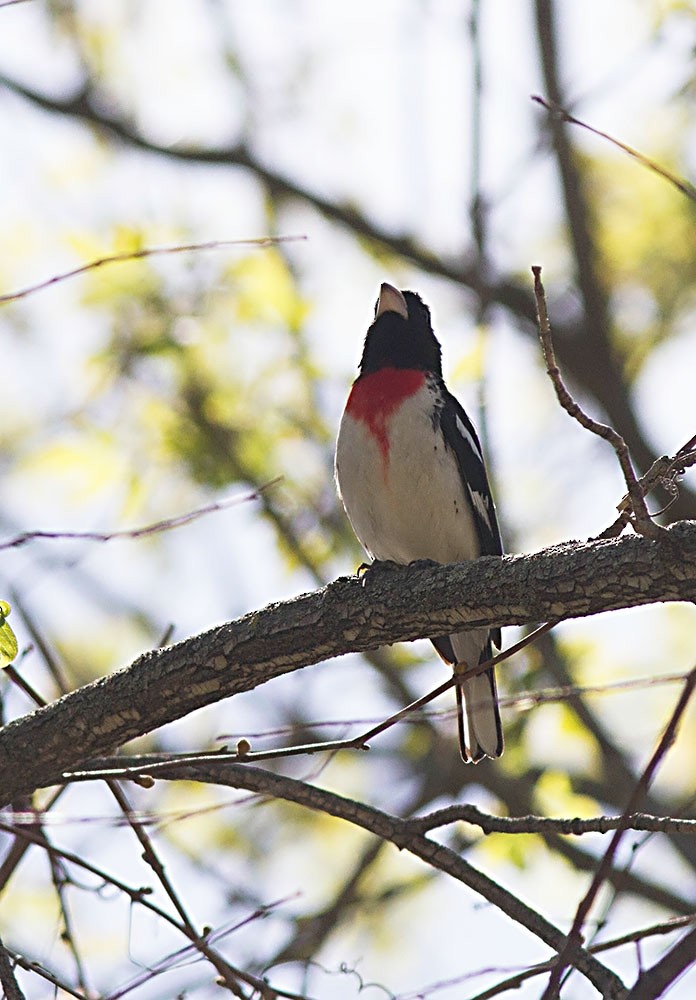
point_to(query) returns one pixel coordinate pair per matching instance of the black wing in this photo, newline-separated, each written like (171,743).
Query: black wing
(461,438)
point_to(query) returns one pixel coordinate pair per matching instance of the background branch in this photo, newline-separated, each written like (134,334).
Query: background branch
(399,833)
(603,380)
(654,981)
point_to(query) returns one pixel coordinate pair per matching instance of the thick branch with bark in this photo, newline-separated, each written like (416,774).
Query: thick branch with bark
(353,614)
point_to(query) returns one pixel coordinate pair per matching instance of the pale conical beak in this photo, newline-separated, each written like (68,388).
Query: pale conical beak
(391,300)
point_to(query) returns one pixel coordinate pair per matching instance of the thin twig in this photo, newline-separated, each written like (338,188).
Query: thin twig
(516,980)
(129,768)
(665,472)
(60,881)
(44,973)
(20,846)
(50,658)
(523,701)
(654,930)
(641,518)
(562,115)
(129,255)
(24,685)
(543,824)
(117,767)
(149,529)
(10,986)
(396,830)
(653,982)
(229,974)
(135,895)
(261,987)
(361,742)
(574,938)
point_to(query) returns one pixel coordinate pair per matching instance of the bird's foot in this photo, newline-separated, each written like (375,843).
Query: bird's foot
(377,568)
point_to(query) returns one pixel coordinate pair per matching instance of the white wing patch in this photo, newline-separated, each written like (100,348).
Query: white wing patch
(469,438)
(480,504)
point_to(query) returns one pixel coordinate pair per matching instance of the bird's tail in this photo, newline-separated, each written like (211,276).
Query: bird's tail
(480,728)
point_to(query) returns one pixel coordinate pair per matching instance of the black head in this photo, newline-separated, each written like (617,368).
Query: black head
(401,335)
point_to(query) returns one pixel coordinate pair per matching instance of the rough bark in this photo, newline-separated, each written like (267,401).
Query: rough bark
(352,614)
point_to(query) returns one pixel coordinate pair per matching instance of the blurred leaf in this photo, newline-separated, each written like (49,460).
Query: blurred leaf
(470,365)
(8,640)
(647,233)
(82,465)
(554,796)
(520,850)
(266,291)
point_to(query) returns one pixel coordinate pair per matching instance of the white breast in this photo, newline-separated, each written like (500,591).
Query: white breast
(413,506)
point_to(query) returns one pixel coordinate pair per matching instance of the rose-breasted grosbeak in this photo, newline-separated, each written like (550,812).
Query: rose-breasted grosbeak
(411,476)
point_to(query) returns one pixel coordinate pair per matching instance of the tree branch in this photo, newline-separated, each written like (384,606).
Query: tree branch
(575,938)
(539,824)
(654,981)
(592,337)
(641,518)
(350,615)
(400,833)
(603,383)
(9,984)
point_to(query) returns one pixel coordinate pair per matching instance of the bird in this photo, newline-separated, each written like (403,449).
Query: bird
(411,476)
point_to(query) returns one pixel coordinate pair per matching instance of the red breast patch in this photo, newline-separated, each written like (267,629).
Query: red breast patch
(375,397)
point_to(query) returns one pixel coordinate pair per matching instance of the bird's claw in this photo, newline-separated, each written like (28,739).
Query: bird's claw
(377,567)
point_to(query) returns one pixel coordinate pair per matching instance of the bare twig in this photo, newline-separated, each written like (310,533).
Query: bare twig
(24,685)
(562,115)
(542,824)
(574,938)
(118,767)
(136,895)
(230,976)
(50,657)
(398,831)
(654,930)
(40,970)
(654,981)
(641,518)
(264,990)
(664,472)
(149,529)
(361,741)
(67,934)
(8,982)
(130,255)
(21,845)
(516,980)
(523,701)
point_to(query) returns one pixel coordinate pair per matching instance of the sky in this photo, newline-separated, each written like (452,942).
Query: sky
(368,102)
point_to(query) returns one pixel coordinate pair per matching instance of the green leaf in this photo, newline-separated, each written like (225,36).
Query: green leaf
(8,640)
